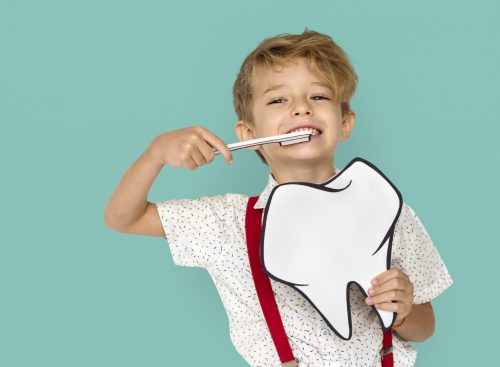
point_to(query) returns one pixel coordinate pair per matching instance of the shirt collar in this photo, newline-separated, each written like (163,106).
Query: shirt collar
(271,184)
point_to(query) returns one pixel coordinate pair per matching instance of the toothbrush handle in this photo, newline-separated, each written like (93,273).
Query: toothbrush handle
(298,137)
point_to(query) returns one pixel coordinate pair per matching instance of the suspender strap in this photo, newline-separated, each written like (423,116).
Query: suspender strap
(386,352)
(253,227)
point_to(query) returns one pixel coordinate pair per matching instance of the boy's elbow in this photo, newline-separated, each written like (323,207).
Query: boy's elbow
(108,222)
(112,223)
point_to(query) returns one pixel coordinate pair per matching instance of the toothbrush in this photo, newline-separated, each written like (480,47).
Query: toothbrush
(284,139)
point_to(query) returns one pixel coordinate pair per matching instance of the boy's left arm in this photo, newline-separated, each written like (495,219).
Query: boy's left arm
(392,291)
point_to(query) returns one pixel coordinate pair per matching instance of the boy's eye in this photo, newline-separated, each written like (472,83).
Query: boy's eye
(317,98)
(277,100)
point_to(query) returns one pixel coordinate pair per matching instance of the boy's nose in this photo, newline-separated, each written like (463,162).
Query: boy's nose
(301,108)
(298,113)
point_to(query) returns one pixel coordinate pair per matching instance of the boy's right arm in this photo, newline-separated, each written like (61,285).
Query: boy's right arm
(128,210)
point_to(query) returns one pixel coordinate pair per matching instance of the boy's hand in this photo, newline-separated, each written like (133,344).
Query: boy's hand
(392,285)
(190,147)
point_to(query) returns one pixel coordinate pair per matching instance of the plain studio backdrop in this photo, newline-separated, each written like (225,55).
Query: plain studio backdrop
(85,86)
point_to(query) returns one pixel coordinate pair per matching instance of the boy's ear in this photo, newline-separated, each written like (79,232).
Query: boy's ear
(347,125)
(244,132)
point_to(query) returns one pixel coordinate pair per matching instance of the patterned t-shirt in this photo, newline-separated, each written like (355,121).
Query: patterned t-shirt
(209,232)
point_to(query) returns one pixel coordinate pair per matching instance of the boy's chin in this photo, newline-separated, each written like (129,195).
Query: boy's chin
(309,157)
(306,152)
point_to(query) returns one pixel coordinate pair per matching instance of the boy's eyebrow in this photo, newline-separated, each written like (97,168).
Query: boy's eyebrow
(282,85)
(321,84)
(273,88)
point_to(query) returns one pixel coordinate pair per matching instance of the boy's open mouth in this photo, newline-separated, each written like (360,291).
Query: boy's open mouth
(313,131)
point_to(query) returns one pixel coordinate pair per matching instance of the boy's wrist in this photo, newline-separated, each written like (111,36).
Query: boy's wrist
(398,324)
(151,156)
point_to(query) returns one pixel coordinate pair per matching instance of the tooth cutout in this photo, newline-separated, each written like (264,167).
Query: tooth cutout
(319,239)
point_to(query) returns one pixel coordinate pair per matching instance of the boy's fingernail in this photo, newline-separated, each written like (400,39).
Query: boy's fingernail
(374,281)
(368,300)
(370,291)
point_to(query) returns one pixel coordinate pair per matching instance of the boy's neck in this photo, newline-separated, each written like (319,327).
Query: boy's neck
(314,174)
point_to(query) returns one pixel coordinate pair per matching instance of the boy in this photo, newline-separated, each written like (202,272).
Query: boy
(288,82)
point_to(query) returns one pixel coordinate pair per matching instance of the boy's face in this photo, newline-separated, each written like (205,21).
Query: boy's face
(286,99)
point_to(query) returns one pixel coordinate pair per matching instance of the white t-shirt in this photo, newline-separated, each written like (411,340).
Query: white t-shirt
(209,232)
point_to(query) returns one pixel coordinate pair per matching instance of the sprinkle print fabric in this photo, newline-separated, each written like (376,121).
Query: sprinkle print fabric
(209,232)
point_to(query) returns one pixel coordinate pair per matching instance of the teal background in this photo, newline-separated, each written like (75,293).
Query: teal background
(86,86)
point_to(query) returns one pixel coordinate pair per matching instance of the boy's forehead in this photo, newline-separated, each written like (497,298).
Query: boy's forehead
(266,77)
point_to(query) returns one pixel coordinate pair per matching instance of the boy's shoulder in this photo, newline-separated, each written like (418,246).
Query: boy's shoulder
(226,197)
(225,200)
(407,216)
(409,231)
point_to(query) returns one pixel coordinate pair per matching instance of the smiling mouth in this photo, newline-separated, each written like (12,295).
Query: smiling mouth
(306,129)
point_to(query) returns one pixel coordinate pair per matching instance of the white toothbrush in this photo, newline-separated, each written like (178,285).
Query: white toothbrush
(284,139)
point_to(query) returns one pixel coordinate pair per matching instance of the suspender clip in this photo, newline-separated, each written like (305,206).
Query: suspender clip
(386,351)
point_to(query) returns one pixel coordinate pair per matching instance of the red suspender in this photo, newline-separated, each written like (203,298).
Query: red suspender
(386,352)
(253,228)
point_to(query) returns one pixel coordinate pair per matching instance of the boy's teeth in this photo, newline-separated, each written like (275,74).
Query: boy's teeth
(313,131)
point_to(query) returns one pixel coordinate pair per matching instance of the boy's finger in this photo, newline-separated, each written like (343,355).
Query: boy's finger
(391,284)
(389,306)
(207,151)
(218,144)
(198,157)
(387,275)
(387,297)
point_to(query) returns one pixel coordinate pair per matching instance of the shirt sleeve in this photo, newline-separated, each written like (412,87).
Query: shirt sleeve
(414,253)
(197,229)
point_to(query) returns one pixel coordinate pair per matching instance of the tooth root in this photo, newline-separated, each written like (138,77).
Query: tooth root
(333,305)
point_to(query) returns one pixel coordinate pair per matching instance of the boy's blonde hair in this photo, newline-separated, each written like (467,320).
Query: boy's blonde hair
(324,56)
